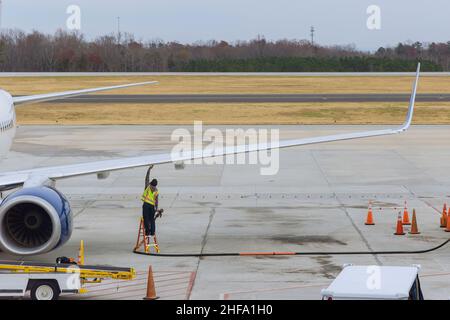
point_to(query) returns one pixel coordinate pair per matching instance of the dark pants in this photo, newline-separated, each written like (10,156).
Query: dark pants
(148,212)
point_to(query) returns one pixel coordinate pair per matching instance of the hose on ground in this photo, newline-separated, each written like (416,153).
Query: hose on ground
(281,253)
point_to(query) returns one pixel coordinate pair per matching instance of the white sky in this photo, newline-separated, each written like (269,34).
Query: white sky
(336,22)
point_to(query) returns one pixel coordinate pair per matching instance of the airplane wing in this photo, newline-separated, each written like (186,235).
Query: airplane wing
(18,178)
(66,94)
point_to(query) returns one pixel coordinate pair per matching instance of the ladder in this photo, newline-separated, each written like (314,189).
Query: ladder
(143,240)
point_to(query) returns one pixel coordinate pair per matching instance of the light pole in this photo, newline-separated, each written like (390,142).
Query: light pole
(118,29)
(1,12)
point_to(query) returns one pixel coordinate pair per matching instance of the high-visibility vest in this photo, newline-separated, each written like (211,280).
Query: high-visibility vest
(149,196)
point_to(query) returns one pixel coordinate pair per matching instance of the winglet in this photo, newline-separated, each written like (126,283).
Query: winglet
(412,101)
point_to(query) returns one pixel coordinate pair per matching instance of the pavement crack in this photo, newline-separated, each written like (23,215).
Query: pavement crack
(424,201)
(205,236)
(204,241)
(344,209)
(414,167)
(175,198)
(87,205)
(366,242)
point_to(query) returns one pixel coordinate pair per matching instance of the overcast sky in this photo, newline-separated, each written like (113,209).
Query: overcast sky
(336,22)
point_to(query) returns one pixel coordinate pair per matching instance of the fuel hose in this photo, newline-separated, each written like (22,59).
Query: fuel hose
(288,253)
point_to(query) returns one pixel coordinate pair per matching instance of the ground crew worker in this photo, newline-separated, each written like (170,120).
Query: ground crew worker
(150,205)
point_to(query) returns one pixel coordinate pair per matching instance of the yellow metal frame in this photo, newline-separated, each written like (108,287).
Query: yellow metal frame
(84,273)
(152,245)
(81,254)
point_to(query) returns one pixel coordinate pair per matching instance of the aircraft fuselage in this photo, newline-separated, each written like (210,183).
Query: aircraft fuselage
(7,122)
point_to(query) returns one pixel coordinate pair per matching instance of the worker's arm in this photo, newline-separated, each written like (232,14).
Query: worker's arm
(147,177)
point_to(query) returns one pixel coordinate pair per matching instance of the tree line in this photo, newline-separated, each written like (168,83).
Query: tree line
(71,52)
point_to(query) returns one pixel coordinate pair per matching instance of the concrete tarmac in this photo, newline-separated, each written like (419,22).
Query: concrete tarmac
(252,98)
(316,202)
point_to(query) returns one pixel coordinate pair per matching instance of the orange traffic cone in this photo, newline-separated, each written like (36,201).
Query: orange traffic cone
(399,231)
(151,291)
(369,220)
(447,228)
(444,216)
(405,221)
(414,228)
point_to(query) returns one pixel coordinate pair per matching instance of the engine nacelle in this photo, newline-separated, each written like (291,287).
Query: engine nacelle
(34,221)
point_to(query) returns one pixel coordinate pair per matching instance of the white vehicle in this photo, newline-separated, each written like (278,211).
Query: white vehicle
(375,283)
(42,286)
(46,281)
(37,218)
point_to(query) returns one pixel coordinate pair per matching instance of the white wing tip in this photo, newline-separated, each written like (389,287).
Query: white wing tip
(409,115)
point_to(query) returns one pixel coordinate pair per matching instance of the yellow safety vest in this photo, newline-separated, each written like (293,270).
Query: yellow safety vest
(149,196)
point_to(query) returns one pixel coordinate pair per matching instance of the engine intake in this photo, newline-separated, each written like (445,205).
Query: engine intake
(34,221)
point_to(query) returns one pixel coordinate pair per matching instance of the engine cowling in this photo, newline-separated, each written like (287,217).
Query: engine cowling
(34,221)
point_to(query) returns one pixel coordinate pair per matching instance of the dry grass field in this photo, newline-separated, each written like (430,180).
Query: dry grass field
(231,113)
(229,84)
(236,113)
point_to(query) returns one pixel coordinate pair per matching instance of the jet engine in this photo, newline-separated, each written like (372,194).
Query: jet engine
(34,221)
